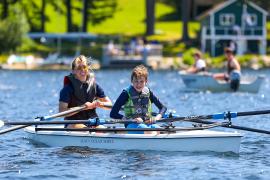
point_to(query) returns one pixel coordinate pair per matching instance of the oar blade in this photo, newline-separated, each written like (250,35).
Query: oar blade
(2,123)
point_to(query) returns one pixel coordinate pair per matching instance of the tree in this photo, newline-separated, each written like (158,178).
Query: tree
(85,16)
(13,30)
(185,6)
(69,15)
(96,11)
(4,9)
(150,17)
(43,16)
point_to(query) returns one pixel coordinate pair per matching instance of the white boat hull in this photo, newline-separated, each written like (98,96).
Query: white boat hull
(196,140)
(207,82)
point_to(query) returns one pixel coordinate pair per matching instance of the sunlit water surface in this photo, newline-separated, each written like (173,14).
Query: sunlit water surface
(25,95)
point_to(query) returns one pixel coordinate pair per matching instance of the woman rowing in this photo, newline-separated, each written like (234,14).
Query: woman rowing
(137,100)
(233,74)
(80,88)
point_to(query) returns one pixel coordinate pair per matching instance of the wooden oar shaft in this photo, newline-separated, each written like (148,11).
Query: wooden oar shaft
(12,129)
(64,113)
(90,122)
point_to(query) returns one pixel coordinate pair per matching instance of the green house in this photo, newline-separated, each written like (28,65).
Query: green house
(239,24)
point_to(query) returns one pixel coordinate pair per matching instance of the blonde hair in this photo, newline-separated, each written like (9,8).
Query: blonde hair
(139,71)
(78,60)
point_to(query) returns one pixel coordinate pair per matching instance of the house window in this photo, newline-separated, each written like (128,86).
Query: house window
(226,19)
(251,19)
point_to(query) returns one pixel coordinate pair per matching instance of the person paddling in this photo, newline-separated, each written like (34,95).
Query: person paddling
(80,88)
(233,74)
(137,100)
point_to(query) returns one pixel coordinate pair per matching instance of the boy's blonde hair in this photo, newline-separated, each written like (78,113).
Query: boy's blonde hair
(139,71)
(77,60)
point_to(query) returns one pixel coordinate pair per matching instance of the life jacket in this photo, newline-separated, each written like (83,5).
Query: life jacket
(138,104)
(82,92)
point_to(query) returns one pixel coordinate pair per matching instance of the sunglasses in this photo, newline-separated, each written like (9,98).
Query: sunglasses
(82,68)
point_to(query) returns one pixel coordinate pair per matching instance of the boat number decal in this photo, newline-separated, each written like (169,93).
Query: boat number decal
(97,140)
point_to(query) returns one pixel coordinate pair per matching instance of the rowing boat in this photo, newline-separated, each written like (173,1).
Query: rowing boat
(191,141)
(207,82)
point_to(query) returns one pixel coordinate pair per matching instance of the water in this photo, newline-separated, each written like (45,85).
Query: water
(25,95)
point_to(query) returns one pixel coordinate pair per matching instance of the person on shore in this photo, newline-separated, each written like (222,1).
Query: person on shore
(199,65)
(137,100)
(233,74)
(80,88)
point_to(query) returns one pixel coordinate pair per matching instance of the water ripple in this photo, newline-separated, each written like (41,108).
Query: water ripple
(23,159)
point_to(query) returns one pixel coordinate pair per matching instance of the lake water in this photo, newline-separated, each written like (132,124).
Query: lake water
(25,95)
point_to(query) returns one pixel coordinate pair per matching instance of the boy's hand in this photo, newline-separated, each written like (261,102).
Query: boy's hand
(158,117)
(139,120)
(154,119)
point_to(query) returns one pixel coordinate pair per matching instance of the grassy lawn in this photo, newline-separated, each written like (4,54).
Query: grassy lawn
(128,20)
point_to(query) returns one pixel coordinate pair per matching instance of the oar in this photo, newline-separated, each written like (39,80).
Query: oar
(227,125)
(225,115)
(61,114)
(95,121)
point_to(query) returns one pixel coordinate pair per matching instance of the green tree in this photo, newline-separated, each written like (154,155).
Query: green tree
(183,12)
(150,17)
(13,30)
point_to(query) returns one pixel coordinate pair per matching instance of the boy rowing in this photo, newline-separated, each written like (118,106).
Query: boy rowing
(137,100)
(80,88)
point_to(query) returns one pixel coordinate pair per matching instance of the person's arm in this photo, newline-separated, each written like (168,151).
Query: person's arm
(103,101)
(65,98)
(121,100)
(162,108)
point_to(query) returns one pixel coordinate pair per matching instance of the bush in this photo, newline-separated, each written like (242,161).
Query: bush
(218,62)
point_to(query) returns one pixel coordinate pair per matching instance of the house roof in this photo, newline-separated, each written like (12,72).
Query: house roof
(73,35)
(221,5)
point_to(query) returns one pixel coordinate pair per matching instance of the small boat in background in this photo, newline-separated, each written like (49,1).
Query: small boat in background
(206,82)
(52,62)
(190,140)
